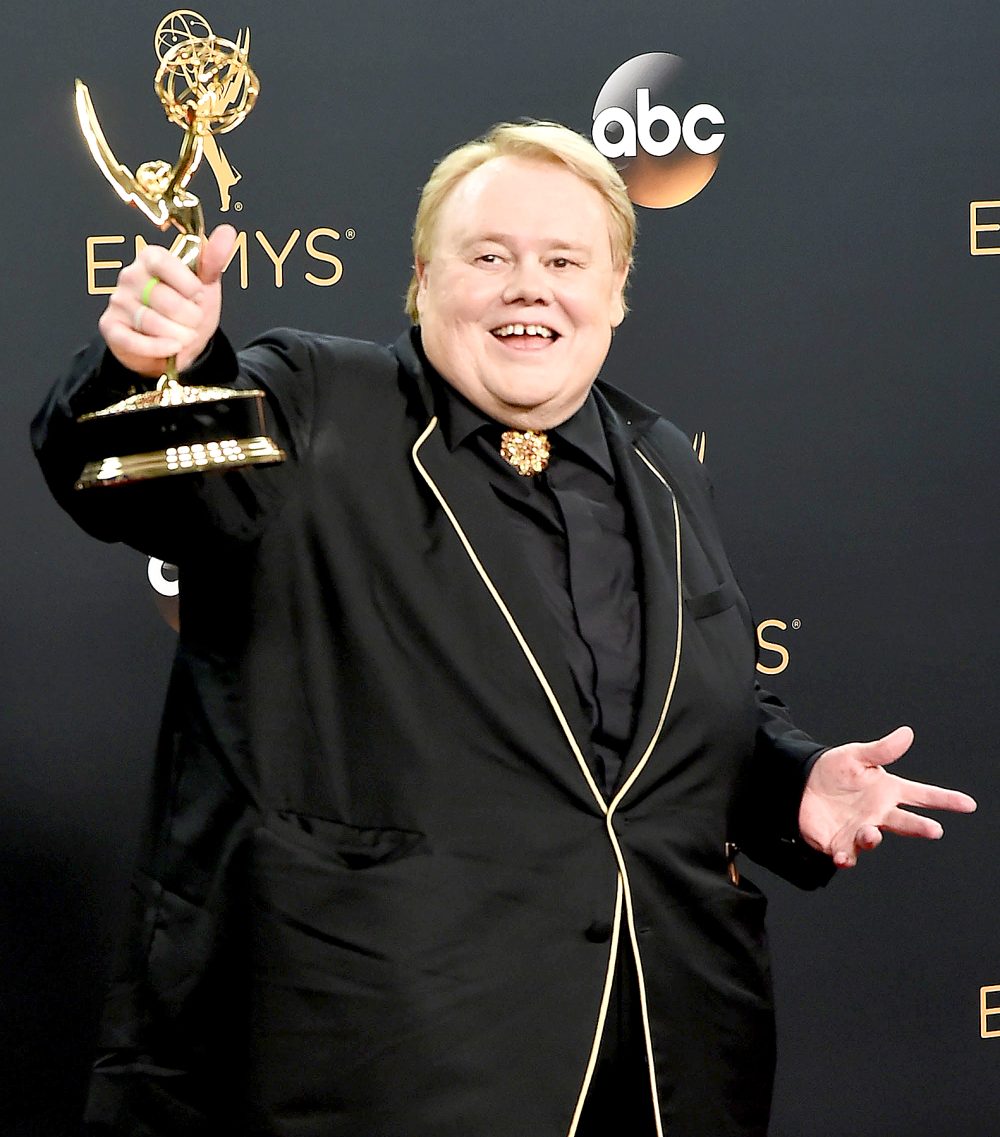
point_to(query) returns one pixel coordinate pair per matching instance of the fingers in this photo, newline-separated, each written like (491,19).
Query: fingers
(143,352)
(869,836)
(855,757)
(168,297)
(216,253)
(160,308)
(908,824)
(850,798)
(149,331)
(866,838)
(846,849)
(887,749)
(925,796)
(920,796)
(157,261)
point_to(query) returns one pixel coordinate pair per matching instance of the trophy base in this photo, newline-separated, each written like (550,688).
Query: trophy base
(175,430)
(199,457)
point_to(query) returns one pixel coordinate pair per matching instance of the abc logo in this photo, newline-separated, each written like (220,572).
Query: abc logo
(651,120)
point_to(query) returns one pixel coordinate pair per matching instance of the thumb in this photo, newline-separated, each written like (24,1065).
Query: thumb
(891,746)
(215,254)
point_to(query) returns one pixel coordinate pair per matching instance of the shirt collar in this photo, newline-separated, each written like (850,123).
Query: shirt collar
(585,432)
(461,420)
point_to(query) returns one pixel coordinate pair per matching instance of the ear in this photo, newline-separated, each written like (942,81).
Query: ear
(420,272)
(619,280)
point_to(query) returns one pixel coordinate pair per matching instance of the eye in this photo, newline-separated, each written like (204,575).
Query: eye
(488,259)
(563,262)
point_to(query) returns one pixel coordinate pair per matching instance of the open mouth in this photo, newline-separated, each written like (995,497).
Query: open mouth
(523,334)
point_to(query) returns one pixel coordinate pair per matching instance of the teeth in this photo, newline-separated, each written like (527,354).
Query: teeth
(523,330)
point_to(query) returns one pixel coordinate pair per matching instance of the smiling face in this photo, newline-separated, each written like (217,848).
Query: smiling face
(519,297)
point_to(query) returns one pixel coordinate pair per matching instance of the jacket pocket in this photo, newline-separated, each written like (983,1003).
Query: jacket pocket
(711,603)
(350,846)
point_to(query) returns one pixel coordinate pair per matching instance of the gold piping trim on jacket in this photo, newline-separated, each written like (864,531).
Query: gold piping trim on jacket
(511,622)
(609,981)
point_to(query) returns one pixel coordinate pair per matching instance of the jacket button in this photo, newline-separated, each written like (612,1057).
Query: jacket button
(599,932)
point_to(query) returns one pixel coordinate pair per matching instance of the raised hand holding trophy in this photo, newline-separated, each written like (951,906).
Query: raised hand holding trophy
(207,87)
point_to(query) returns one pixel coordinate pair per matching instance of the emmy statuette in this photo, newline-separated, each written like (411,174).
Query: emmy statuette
(207,87)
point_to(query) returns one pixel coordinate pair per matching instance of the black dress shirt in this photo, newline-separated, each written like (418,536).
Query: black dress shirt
(572,528)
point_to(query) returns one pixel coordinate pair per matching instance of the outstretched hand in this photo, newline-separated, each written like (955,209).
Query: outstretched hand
(161,308)
(850,799)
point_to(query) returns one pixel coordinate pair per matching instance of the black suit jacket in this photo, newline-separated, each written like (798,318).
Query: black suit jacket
(382,895)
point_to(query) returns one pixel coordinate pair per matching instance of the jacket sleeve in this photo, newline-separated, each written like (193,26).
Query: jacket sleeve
(768,831)
(174,516)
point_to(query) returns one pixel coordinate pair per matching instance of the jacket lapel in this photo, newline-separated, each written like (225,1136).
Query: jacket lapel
(475,516)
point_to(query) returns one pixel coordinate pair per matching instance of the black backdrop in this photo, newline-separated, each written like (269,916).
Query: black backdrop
(816,311)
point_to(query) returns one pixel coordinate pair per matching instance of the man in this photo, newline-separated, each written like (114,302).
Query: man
(463,730)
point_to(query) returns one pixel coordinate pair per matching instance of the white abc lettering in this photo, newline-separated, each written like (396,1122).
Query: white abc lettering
(159,580)
(623,149)
(647,115)
(703,112)
(640,133)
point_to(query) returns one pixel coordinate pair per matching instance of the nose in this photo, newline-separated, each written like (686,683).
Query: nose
(527,283)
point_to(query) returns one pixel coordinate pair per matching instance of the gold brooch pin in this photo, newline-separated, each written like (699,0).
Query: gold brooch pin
(526,450)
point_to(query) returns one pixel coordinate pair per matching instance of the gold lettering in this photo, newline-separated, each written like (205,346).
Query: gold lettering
(240,252)
(278,258)
(975,228)
(240,249)
(769,645)
(988,1011)
(329,258)
(93,265)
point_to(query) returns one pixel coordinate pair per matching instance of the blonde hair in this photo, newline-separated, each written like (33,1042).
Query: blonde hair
(538,141)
